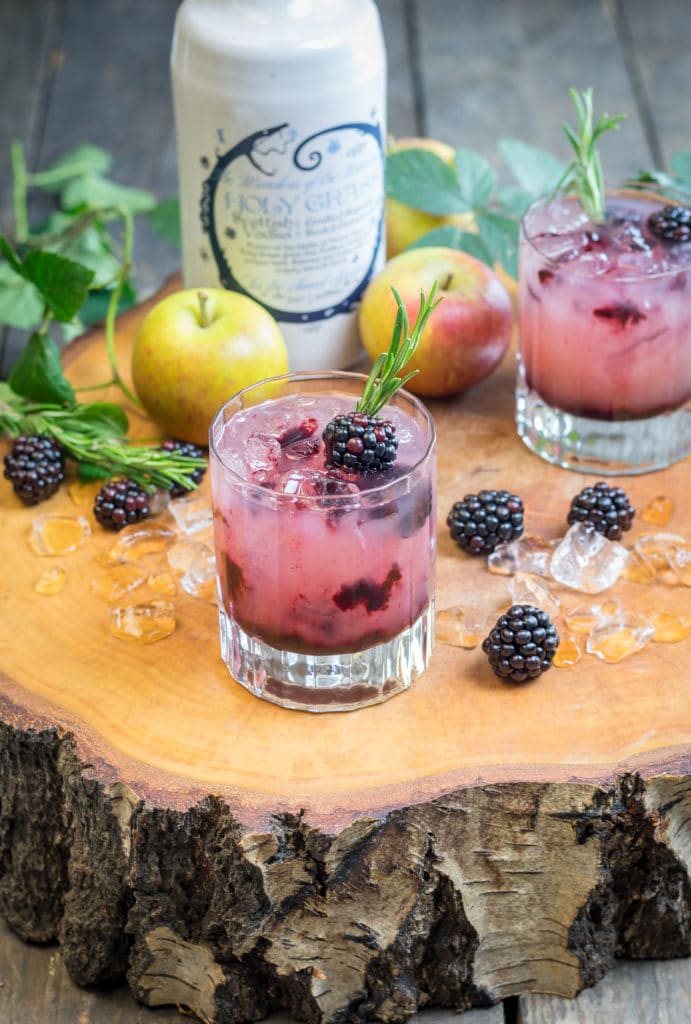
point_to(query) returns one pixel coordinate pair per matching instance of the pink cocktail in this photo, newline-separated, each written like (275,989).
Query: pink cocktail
(325,578)
(605,335)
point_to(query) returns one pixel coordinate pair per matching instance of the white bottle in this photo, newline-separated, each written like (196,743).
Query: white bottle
(280,117)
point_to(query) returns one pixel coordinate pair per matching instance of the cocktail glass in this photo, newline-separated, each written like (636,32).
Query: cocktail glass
(325,578)
(604,376)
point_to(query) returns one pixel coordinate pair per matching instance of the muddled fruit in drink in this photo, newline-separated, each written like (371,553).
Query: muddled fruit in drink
(605,309)
(313,558)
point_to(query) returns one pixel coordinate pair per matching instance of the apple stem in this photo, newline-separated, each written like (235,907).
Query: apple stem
(204,317)
(445,283)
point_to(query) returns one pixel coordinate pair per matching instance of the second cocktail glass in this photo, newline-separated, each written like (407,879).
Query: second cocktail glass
(604,376)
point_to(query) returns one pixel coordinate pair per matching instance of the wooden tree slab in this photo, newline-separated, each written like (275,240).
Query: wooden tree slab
(460,843)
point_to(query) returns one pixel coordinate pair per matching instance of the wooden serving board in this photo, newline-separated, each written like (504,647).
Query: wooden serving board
(462,842)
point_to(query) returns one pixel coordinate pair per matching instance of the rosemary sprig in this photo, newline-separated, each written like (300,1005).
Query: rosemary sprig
(584,174)
(383,381)
(99,451)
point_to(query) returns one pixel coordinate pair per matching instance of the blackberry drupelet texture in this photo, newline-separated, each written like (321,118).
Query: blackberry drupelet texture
(522,643)
(604,508)
(191,451)
(673,223)
(121,502)
(35,466)
(360,443)
(481,521)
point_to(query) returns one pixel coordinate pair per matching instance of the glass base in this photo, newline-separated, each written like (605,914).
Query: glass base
(603,447)
(327,682)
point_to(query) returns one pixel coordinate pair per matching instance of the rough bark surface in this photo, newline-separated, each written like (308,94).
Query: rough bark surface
(458,902)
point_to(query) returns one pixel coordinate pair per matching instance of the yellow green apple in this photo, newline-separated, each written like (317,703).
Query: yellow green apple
(466,336)
(195,349)
(404,225)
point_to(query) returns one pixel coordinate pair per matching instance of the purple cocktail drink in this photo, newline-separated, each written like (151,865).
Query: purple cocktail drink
(605,334)
(325,576)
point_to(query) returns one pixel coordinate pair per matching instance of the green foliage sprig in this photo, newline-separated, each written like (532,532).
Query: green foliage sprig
(584,174)
(384,381)
(424,181)
(73,270)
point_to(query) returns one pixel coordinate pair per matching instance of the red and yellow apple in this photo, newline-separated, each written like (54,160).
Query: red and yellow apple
(195,349)
(404,224)
(466,336)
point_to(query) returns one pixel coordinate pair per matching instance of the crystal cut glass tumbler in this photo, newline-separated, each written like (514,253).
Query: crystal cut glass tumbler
(604,374)
(325,578)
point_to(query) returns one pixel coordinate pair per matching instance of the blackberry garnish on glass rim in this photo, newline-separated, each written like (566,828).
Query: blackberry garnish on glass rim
(359,441)
(673,223)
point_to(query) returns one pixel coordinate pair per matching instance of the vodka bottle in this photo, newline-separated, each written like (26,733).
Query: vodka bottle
(280,123)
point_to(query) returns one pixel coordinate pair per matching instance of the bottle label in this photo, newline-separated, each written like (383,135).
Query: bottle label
(297,224)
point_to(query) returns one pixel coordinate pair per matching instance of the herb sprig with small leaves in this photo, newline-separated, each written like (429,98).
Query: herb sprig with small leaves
(384,381)
(51,275)
(584,174)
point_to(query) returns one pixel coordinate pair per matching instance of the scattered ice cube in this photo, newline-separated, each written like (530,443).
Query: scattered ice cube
(620,638)
(585,560)
(141,539)
(143,623)
(527,589)
(637,570)
(659,511)
(119,579)
(461,626)
(162,583)
(192,514)
(670,628)
(656,551)
(587,616)
(567,653)
(526,554)
(195,564)
(51,581)
(199,579)
(58,535)
(679,557)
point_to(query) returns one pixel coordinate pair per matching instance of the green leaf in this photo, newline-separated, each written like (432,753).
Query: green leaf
(165,220)
(38,375)
(513,201)
(104,418)
(500,235)
(82,160)
(21,305)
(87,472)
(476,176)
(536,171)
(424,181)
(681,166)
(454,238)
(63,283)
(96,192)
(90,246)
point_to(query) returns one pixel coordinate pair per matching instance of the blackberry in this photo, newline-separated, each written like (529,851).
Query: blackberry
(603,508)
(673,223)
(190,451)
(35,466)
(522,643)
(360,443)
(121,502)
(481,521)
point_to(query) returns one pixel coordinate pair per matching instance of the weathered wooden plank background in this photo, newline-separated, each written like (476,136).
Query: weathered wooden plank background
(464,71)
